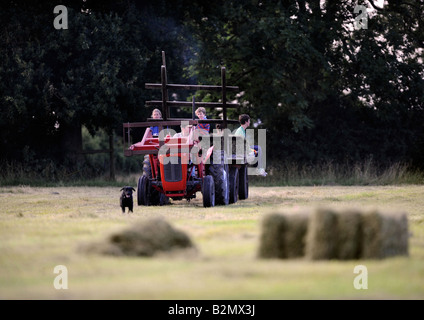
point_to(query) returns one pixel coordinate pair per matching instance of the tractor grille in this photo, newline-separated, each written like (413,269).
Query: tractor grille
(173,170)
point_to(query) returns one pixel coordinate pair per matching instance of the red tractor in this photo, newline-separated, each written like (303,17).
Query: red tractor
(178,167)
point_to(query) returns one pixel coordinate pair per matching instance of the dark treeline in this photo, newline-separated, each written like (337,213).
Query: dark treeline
(323,90)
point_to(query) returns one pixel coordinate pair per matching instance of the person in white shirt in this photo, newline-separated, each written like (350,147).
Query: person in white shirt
(244,121)
(185,131)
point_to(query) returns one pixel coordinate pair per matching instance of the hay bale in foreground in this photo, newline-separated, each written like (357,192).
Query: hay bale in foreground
(384,235)
(271,240)
(145,238)
(326,234)
(283,236)
(295,235)
(349,235)
(321,237)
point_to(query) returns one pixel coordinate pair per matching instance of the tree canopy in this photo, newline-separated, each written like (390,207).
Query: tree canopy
(324,90)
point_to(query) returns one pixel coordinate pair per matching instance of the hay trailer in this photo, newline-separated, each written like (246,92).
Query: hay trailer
(214,164)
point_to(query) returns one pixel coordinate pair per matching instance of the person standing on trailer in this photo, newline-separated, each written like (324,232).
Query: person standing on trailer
(244,120)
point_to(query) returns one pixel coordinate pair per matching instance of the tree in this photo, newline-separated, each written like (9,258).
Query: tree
(324,90)
(91,74)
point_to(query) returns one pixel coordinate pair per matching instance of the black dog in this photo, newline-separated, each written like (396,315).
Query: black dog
(126,199)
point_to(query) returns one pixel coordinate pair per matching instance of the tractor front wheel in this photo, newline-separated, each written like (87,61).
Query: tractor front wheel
(218,169)
(143,191)
(155,198)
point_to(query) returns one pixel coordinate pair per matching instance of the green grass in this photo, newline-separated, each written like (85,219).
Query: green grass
(364,173)
(279,174)
(44,227)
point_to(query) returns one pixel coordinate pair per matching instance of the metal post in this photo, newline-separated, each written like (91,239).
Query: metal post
(163,59)
(224,98)
(193,109)
(129,135)
(164,94)
(111,159)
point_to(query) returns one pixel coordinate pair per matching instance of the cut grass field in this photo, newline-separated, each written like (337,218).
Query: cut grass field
(41,228)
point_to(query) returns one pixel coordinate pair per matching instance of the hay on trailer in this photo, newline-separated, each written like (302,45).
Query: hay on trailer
(321,237)
(384,235)
(145,238)
(283,236)
(349,234)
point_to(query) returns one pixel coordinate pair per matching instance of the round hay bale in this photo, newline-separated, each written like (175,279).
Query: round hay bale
(396,235)
(283,236)
(321,237)
(372,237)
(271,243)
(384,235)
(349,235)
(295,235)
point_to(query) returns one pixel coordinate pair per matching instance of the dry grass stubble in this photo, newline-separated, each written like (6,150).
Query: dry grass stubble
(43,227)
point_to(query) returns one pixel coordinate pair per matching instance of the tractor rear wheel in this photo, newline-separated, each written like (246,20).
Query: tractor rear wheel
(234,184)
(208,192)
(243,183)
(218,169)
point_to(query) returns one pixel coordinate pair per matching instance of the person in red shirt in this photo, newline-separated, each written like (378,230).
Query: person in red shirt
(203,127)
